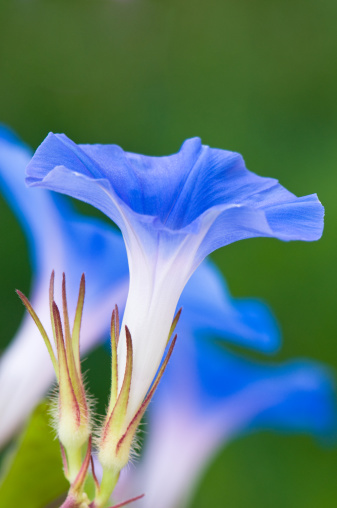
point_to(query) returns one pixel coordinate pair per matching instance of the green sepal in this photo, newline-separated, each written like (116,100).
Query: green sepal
(73,360)
(126,440)
(75,336)
(117,417)
(67,398)
(41,329)
(174,325)
(114,334)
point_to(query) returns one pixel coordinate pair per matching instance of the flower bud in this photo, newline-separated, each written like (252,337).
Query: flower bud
(72,416)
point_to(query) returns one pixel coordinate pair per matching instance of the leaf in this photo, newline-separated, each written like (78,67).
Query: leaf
(32,475)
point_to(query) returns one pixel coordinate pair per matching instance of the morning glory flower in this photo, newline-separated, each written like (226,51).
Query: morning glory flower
(60,239)
(173,211)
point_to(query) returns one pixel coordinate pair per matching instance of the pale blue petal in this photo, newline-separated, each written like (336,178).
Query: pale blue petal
(297,396)
(209,397)
(208,308)
(27,206)
(292,219)
(59,239)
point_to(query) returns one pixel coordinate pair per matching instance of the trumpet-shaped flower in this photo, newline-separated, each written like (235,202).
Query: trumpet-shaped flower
(60,239)
(64,241)
(173,211)
(215,396)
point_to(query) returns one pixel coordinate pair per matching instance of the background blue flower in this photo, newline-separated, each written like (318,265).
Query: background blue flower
(218,398)
(209,396)
(207,305)
(62,240)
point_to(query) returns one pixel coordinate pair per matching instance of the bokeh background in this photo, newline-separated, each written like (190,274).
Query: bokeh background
(255,77)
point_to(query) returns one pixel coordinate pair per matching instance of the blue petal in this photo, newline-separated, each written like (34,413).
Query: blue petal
(148,185)
(209,308)
(297,396)
(14,156)
(177,191)
(308,404)
(290,219)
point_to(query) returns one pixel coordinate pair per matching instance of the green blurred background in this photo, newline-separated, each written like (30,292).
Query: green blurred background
(255,77)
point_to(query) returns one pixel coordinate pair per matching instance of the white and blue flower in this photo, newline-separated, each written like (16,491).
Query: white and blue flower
(60,239)
(173,211)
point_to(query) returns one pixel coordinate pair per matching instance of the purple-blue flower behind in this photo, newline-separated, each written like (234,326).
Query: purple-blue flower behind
(62,240)
(210,396)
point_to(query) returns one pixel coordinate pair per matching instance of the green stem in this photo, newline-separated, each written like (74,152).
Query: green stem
(109,481)
(74,456)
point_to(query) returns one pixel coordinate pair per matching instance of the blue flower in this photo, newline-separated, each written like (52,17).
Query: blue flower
(60,239)
(208,306)
(188,423)
(173,211)
(215,396)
